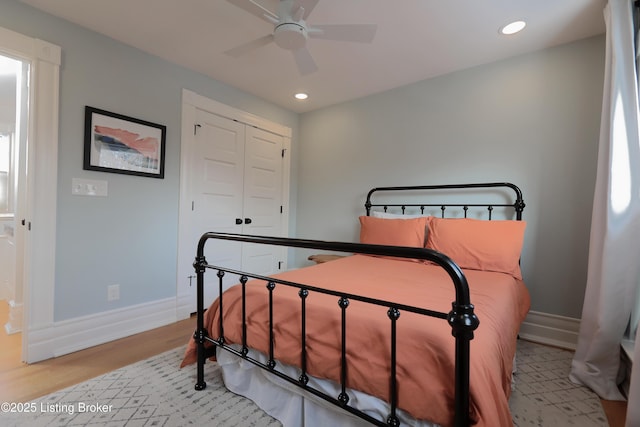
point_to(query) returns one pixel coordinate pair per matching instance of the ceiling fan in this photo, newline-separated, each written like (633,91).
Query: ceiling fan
(291,30)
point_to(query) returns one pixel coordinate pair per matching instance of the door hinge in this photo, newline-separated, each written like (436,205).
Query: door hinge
(279,265)
(283,151)
(280,208)
(195,128)
(193,205)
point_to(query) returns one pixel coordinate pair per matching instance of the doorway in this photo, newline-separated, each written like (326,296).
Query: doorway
(13,136)
(34,220)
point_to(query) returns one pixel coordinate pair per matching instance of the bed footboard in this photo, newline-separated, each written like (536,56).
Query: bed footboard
(461,319)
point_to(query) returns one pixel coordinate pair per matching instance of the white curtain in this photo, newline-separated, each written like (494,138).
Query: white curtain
(633,410)
(614,247)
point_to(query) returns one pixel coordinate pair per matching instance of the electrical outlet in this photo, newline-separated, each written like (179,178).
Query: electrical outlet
(113,292)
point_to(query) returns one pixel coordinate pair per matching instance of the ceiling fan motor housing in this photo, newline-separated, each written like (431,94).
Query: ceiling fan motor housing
(290,35)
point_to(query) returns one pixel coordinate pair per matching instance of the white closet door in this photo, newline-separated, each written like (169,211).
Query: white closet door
(262,198)
(218,176)
(237,186)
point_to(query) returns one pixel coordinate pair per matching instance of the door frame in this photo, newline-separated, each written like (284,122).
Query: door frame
(36,206)
(191,102)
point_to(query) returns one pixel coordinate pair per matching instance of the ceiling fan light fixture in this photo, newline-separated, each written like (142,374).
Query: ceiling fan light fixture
(301,96)
(290,36)
(513,27)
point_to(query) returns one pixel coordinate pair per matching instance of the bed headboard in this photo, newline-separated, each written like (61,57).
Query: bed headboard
(478,192)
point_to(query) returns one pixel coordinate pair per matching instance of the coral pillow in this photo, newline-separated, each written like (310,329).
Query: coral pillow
(479,244)
(393,232)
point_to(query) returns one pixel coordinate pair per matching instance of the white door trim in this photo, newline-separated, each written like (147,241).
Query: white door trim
(215,107)
(191,102)
(38,208)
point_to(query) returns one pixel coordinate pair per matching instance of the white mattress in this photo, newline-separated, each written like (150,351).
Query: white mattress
(293,406)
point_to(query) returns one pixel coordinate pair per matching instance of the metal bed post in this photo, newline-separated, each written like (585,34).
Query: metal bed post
(463,322)
(201,333)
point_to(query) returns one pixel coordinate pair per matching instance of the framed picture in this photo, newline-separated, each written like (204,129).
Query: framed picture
(121,144)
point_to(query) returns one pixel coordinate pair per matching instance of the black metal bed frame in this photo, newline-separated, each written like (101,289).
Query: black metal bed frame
(461,318)
(518,204)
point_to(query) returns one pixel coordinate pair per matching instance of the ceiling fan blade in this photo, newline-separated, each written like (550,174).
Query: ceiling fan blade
(362,33)
(304,61)
(256,9)
(308,6)
(248,47)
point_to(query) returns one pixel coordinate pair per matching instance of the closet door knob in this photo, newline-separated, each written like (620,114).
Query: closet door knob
(238,221)
(247,220)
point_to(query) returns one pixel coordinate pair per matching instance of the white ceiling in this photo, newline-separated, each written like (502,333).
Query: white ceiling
(415,40)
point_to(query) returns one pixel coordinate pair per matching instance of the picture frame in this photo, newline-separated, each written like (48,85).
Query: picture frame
(120,144)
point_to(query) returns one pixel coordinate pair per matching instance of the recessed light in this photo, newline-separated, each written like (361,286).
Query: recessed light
(301,96)
(513,28)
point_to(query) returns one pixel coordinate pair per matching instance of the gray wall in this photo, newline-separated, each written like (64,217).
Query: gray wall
(130,237)
(532,120)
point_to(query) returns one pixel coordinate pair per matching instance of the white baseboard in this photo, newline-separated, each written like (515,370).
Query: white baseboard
(550,329)
(79,333)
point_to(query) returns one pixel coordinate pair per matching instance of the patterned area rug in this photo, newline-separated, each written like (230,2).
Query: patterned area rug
(154,392)
(543,394)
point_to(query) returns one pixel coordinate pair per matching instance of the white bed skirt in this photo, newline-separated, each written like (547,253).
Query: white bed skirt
(293,406)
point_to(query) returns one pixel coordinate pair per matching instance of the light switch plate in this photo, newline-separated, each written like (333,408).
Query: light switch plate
(89,187)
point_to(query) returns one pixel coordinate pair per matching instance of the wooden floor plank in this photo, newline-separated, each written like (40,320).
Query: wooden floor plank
(616,412)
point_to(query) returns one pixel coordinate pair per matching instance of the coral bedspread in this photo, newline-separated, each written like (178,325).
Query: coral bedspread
(425,344)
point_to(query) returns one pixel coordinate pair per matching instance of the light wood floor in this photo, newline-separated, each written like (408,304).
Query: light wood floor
(20,382)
